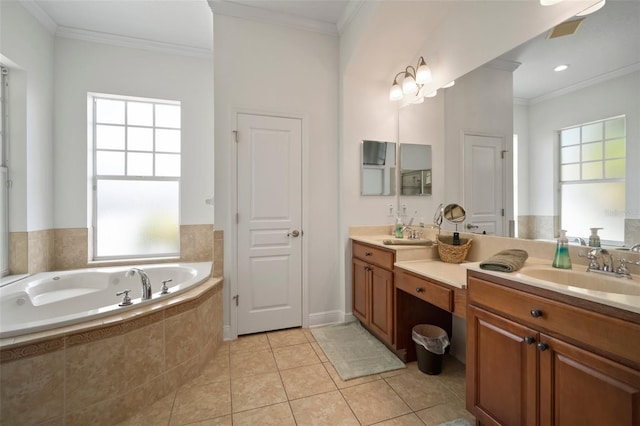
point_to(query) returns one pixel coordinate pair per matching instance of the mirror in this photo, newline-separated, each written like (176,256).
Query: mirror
(415,169)
(595,87)
(454,213)
(542,106)
(378,168)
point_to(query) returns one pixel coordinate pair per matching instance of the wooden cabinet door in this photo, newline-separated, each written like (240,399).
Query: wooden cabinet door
(381,320)
(578,387)
(501,370)
(360,290)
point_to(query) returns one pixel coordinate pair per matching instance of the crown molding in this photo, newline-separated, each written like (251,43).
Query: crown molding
(236,10)
(40,15)
(350,12)
(133,43)
(584,84)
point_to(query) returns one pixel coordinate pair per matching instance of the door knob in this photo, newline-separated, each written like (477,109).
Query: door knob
(471,226)
(294,233)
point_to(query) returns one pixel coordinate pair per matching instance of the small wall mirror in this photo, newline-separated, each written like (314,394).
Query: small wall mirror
(378,168)
(415,169)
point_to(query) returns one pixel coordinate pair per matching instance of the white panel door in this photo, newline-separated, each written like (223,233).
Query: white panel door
(483,183)
(269,223)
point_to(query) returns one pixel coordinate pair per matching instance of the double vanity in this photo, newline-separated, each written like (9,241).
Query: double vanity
(543,345)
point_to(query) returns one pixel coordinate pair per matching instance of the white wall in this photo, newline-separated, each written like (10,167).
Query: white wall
(27,49)
(603,100)
(82,67)
(276,70)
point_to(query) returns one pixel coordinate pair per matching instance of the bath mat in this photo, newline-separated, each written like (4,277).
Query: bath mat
(354,352)
(456,422)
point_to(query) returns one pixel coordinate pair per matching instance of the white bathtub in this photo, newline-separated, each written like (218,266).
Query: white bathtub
(53,299)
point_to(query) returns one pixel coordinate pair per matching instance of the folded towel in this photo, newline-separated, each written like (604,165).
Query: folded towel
(505,261)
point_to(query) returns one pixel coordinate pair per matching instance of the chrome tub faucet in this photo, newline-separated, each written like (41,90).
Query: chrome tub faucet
(144,280)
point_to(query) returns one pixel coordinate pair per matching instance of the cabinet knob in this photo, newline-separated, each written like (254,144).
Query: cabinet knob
(529,340)
(419,290)
(367,253)
(542,346)
(536,313)
(366,268)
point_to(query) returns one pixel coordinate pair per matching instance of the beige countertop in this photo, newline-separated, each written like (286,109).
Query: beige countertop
(424,261)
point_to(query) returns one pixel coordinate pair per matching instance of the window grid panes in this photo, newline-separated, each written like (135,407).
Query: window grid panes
(593,151)
(137,177)
(592,179)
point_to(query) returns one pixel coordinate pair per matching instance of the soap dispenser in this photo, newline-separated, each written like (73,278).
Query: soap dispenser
(594,239)
(399,227)
(561,259)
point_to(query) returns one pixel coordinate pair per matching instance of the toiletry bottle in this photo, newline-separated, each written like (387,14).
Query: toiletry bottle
(561,259)
(399,228)
(594,239)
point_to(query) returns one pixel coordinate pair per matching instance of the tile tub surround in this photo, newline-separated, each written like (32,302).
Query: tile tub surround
(68,248)
(106,372)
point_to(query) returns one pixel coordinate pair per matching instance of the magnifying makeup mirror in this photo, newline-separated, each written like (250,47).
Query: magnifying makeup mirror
(454,213)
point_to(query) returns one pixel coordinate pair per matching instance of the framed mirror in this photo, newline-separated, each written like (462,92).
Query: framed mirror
(415,169)
(378,168)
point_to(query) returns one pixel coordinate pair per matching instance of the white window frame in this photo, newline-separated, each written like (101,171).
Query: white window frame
(93,97)
(583,180)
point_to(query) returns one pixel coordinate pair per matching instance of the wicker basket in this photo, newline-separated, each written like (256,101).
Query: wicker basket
(450,253)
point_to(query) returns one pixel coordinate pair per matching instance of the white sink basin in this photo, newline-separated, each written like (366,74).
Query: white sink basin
(583,280)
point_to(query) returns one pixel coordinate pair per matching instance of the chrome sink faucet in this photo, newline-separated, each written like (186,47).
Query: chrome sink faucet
(593,255)
(144,279)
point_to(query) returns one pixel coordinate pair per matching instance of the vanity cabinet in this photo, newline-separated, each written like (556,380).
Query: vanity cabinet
(372,289)
(536,360)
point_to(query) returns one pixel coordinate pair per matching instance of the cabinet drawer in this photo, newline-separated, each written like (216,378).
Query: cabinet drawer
(428,291)
(611,335)
(374,255)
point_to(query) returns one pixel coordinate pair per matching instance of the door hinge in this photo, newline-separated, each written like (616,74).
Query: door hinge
(503,154)
(502,212)
(235,135)
(237,218)
(236,298)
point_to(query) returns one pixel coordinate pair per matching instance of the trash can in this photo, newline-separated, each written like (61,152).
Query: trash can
(430,341)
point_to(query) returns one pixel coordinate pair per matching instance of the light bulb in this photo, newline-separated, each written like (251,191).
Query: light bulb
(423,73)
(409,84)
(396,92)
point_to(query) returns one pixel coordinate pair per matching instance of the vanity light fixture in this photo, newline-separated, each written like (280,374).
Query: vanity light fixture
(412,81)
(561,68)
(449,84)
(431,94)
(549,2)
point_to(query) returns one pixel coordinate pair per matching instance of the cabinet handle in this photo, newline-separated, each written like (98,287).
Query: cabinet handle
(367,253)
(419,290)
(536,313)
(529,340)
(542,346)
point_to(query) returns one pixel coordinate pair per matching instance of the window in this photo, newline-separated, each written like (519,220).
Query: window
(136,177)
(592,172)
(4,173)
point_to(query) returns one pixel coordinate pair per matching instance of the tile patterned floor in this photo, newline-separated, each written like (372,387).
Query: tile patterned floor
(284,378)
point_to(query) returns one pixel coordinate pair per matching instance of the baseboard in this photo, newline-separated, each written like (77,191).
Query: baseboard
(226,333)
(329,317)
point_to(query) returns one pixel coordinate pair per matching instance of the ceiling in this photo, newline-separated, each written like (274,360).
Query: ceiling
(606,42)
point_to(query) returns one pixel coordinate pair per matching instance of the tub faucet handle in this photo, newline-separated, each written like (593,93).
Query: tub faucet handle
(165,289)
(126,300)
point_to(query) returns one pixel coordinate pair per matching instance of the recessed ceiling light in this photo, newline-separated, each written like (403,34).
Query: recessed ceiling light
(561,67)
